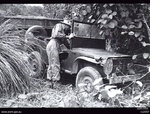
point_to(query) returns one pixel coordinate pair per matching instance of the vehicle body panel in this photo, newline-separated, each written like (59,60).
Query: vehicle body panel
(93,54)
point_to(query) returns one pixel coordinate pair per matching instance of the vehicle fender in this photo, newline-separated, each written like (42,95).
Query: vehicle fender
(77,60)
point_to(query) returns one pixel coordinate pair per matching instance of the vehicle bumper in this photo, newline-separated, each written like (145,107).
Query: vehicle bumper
(122,79)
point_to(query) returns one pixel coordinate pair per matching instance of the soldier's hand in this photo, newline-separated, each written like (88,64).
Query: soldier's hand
(71,35)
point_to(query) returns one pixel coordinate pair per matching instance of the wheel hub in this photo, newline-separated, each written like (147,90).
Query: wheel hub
(88,84)
(34,65)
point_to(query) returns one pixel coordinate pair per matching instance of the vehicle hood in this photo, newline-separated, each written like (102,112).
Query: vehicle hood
(97,53)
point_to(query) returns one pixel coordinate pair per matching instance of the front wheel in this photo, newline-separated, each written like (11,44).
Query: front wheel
(86,77)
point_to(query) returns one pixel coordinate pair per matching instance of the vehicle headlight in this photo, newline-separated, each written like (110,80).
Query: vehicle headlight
(108,66)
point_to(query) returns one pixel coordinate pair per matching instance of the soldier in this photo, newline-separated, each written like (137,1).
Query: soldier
(59,32)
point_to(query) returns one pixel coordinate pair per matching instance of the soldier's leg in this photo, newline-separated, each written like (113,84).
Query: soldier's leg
(48,51)
(52,50)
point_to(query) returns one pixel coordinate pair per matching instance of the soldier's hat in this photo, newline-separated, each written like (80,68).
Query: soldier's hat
(66,22)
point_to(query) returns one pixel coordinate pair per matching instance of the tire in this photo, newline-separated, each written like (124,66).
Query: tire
(40,31)
(35,64)
(87,76)
(33,32)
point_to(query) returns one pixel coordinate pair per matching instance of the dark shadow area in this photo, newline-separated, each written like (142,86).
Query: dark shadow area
(67,79)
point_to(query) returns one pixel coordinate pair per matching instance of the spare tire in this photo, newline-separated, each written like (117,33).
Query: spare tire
(33,32)
(36,30)
(36,64)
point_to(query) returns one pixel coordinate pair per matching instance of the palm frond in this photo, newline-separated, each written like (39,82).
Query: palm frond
(14,71)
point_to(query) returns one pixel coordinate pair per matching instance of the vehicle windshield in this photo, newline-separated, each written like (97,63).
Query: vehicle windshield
(82,30)
(86,30)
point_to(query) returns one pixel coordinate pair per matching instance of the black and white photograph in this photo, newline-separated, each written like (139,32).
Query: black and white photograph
(75,55)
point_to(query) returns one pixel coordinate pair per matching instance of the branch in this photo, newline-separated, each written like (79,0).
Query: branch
(148,29)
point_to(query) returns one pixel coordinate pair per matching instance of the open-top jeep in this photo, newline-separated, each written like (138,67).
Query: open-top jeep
(86,57)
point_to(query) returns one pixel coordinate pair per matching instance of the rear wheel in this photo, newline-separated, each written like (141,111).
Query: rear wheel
(36,64)
(87,76)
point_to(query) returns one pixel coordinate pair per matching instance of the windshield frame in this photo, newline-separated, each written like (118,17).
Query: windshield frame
(75,21)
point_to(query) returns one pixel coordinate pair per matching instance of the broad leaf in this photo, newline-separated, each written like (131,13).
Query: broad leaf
(114,13)
(139,25)
(149,8)
(104,22)
(83,6)
(137,34)
(131,26)
(145,56)
(127,13)
(115,22)
(105,5)
(100,20)
(88,9)
(93,20)
(137,20)
(134,57)
(148,93)
(90,16)
(97,81)
(104,16)
(105,25)
(110,16)
(140,38)
(123,32)
(108,11)
(100,32)
(124,27)
(140,83)
(111,25)
(111,4)
(104,93)
(123,14)
(97,13)
(101,26)
(100,97)
(113,92)
(131,33)
(144,44)
(84,12)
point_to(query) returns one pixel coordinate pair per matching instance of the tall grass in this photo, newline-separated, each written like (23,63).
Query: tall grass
(14,69)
